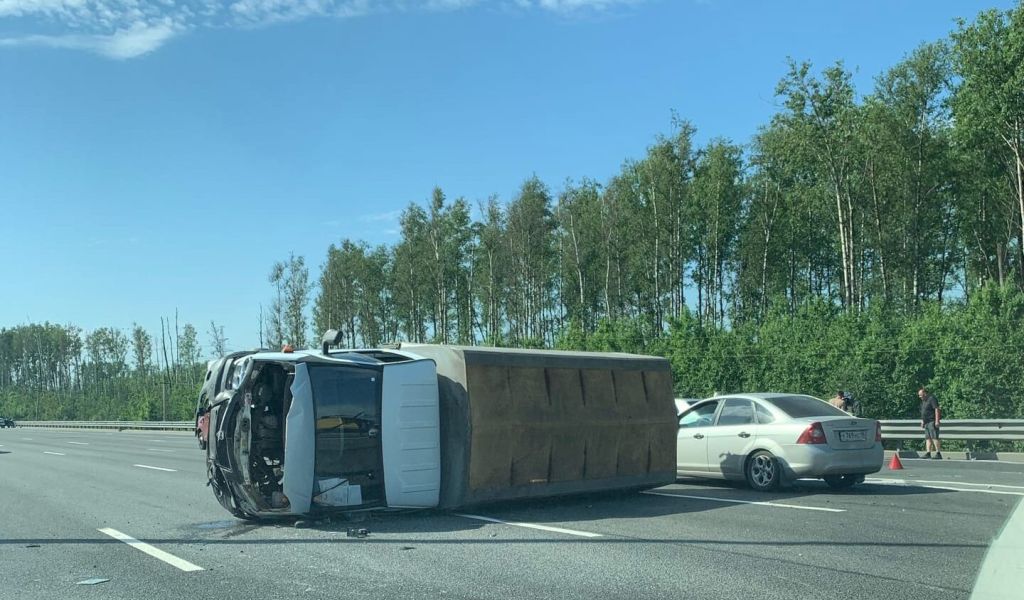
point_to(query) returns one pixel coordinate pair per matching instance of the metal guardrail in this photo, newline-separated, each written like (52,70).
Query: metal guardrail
(1010,430)
(907,429)
(163,425)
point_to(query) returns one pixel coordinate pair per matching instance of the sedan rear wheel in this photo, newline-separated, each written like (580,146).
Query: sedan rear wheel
(763,473)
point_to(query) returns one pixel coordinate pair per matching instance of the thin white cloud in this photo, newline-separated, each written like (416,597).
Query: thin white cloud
(135,41)
(565,6)
(449,4)
(391,215)
(125,29)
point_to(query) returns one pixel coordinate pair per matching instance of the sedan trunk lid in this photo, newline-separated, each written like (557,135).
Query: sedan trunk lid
(848,433)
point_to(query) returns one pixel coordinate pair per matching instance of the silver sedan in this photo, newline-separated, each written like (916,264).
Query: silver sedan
(768,438)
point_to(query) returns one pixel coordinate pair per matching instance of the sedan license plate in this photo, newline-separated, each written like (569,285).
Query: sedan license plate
(852,436)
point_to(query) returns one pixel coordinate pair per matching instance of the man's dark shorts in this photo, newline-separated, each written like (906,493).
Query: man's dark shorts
(931,432)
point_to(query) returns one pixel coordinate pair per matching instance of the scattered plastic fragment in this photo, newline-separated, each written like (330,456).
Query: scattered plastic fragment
(93,581)
(360,533)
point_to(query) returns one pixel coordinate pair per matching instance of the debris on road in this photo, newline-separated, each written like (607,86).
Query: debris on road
(93,581)
(360,532)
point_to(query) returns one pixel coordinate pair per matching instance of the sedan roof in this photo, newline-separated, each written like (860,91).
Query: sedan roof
(758,395)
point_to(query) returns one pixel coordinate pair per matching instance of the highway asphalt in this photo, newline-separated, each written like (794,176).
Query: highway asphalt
(922,532)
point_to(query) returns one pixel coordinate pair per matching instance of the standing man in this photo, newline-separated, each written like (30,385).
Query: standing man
(930,423)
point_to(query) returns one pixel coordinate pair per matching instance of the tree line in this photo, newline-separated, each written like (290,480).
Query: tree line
(870,240)
(58,372)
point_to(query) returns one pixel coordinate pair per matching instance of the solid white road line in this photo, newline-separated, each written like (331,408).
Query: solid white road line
(585,534)
(158,450)
(157,553)
(946,460)
(80,443)
(156,468)
(26,439)
(55,453)
(1001,485)
(908,483)
(759,503)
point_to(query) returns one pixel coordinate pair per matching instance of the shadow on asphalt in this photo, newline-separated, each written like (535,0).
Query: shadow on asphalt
(578,510)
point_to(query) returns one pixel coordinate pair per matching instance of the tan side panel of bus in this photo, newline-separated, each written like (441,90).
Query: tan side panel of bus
(535,425)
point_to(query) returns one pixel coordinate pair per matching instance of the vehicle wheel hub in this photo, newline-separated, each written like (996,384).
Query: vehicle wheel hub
(762,470)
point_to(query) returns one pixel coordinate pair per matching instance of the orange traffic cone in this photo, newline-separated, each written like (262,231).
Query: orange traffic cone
(895,464)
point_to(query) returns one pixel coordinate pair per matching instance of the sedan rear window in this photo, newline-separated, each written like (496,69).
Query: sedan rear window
(805,406)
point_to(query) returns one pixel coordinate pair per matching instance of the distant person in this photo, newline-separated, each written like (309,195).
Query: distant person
(852,406)
(839,400)
(930,415)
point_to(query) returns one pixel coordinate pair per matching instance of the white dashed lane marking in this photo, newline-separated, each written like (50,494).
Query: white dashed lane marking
(759,503)
(156,468)
(586,534)
(914,481)
(950,488)
(153,551)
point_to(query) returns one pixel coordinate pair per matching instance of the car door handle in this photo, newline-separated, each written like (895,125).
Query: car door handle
(743,434)
(698,436)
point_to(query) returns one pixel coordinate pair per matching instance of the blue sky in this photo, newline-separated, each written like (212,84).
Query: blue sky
(162,155)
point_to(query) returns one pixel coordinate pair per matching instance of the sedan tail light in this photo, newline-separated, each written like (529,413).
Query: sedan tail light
(814,434)
(878,431)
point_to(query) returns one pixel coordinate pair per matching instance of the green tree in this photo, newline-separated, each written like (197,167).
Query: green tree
(412,282)
(530,235)
(491,272)
(823,114)
(581,252)
(989,107)
(718,193)
(910,181)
